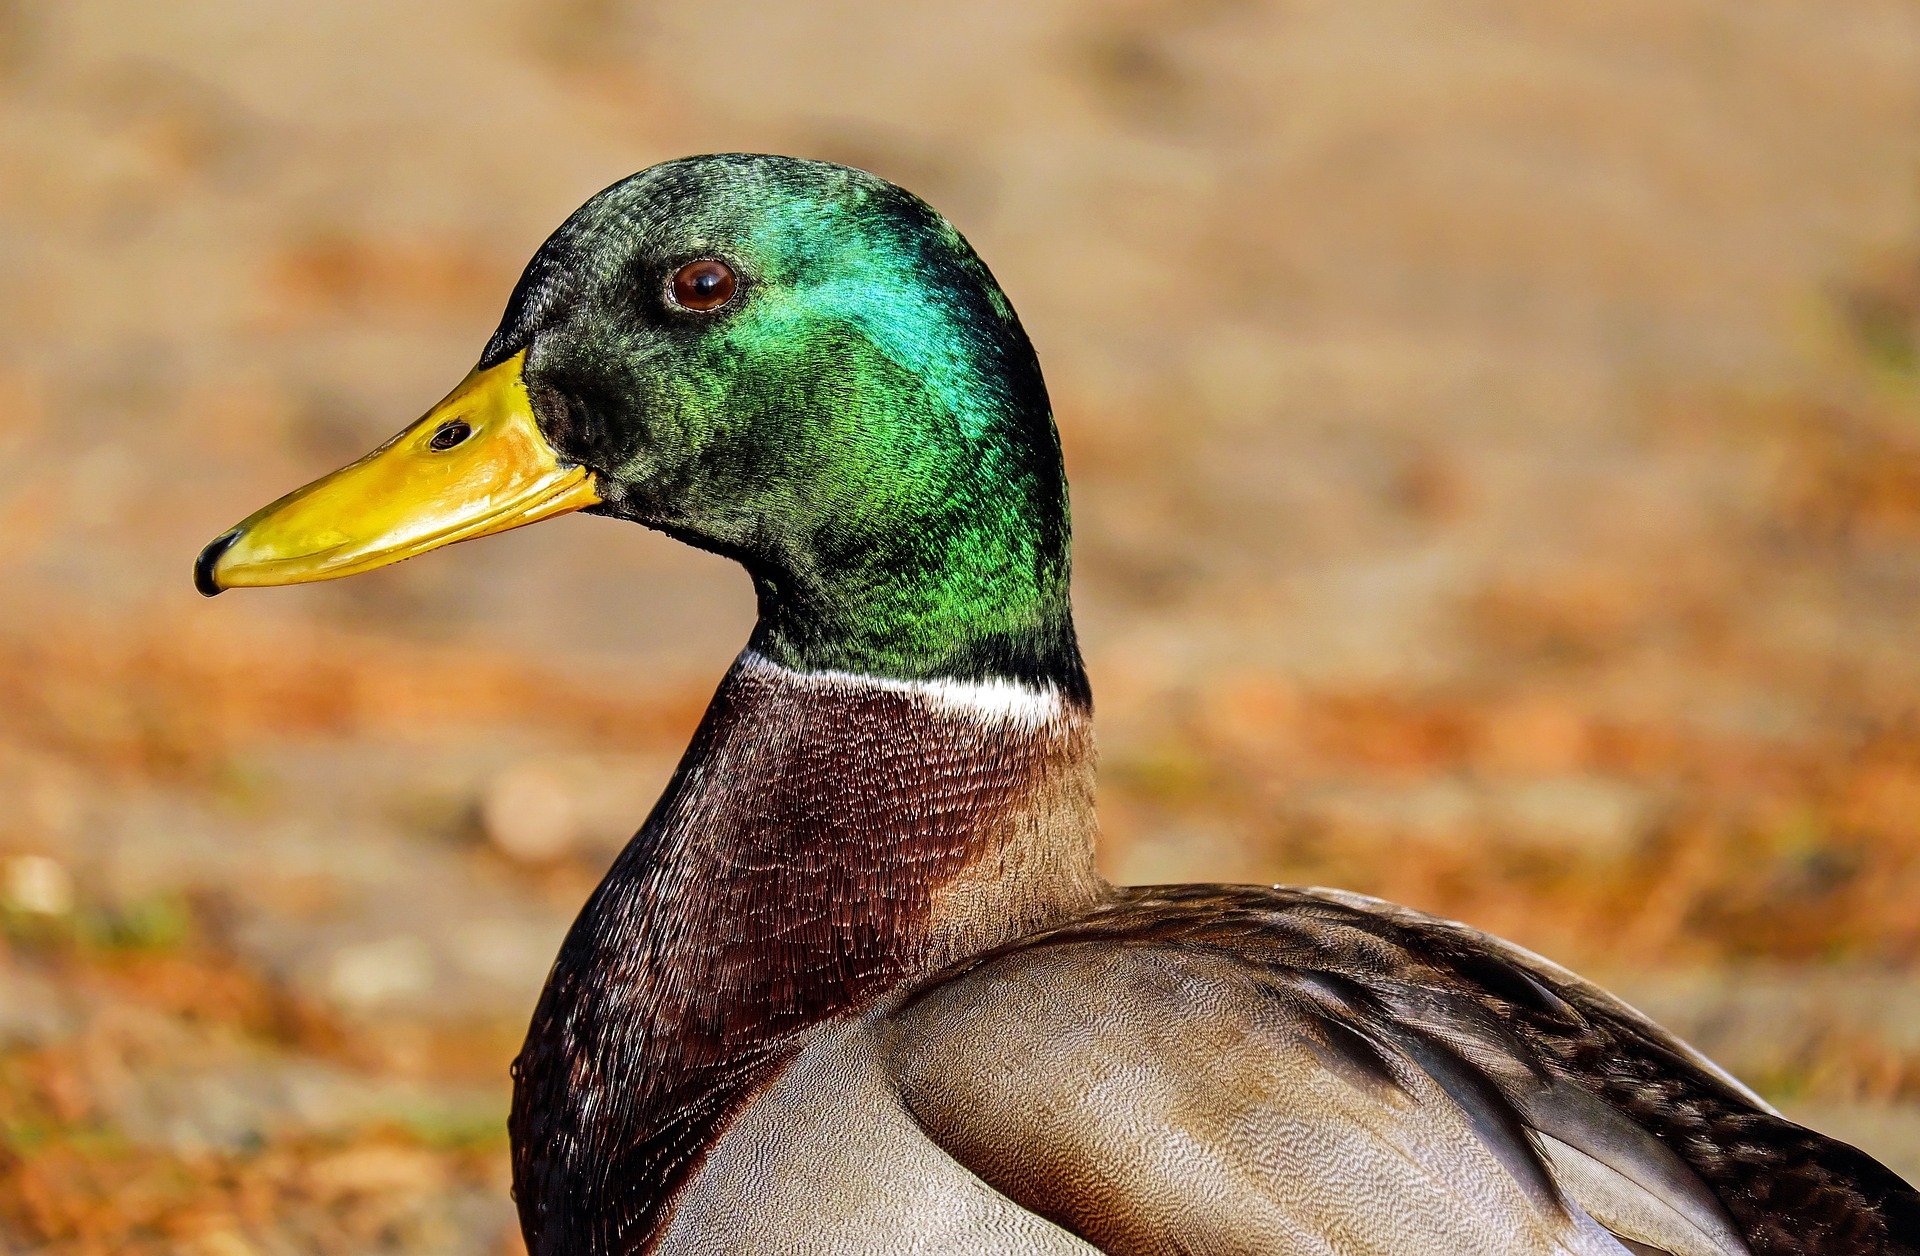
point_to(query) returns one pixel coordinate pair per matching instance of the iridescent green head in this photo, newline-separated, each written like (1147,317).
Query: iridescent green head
(792,363)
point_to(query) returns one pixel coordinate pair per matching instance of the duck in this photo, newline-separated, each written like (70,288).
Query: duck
(856,986)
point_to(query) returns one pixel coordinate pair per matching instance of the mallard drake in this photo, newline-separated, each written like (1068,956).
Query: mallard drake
(855,986)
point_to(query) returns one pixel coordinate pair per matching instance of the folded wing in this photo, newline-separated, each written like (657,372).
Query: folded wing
(1255,1071)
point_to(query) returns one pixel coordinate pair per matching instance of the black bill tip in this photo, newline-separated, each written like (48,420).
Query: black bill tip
(203,566)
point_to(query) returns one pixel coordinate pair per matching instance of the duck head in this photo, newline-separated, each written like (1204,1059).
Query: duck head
(791,363)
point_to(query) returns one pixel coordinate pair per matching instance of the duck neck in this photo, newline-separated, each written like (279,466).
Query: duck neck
(826,836)
(973,588)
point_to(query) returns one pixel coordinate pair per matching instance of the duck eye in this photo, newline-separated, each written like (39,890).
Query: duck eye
(703,286)
(447,435)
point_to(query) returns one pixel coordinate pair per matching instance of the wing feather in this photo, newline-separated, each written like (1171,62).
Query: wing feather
(1227,1070)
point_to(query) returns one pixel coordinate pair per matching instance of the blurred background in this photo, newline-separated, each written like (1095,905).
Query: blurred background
(1495,433)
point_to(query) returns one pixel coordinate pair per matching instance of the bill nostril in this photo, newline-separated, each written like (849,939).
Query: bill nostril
(203,566)
(449,435)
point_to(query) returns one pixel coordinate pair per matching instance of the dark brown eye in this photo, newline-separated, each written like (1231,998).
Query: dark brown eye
(703,286)
(447,435)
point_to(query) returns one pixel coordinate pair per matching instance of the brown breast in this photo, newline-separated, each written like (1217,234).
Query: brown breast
(824,838)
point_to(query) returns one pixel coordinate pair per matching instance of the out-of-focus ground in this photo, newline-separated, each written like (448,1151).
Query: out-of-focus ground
(1495,430)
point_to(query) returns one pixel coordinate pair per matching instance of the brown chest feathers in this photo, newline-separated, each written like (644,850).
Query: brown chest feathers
(824,838)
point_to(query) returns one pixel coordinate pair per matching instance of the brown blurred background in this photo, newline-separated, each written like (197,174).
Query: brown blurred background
(1495,429)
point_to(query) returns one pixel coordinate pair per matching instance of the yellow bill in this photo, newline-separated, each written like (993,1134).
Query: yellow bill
(475,465)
